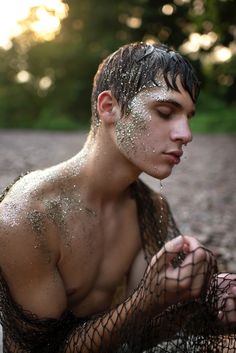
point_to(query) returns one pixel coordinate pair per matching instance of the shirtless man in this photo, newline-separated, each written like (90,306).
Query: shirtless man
(70,234)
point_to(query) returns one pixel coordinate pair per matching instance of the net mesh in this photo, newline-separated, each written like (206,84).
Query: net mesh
(156,317)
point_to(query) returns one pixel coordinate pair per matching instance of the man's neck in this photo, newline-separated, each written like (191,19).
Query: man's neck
(104,173)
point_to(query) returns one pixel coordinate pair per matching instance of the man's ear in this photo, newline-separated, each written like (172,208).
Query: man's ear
(107,107)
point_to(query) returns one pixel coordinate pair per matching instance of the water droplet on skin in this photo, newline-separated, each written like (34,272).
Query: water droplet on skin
(161,185)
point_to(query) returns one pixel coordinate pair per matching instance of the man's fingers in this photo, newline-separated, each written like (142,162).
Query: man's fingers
(227,313)
(180,270)
(170,251)
(227,276)
(167,252)
(194,272)
(227,298)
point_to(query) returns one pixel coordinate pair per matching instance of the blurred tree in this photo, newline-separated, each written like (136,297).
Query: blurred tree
(48,84)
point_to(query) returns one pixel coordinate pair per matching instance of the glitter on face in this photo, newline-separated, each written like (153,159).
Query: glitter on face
(131,127)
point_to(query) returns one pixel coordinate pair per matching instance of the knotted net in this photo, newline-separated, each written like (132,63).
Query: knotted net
(152,319)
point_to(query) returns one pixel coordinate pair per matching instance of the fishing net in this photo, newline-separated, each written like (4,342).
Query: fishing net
(155,317)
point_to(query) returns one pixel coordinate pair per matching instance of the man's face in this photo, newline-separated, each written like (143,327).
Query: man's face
(153,133)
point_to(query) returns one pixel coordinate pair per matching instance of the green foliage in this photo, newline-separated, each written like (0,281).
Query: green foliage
(53,120)
(222,121)
(214,115)
(90,33)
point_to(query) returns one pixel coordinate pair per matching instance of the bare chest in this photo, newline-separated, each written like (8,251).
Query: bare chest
(97,257)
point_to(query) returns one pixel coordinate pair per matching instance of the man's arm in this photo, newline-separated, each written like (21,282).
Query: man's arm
(29,267)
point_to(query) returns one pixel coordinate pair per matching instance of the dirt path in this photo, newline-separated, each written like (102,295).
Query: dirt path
(201,190)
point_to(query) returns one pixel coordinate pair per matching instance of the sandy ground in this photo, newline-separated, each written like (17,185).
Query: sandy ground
(201,190)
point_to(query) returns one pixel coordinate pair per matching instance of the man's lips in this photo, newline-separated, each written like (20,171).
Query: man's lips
(174,156)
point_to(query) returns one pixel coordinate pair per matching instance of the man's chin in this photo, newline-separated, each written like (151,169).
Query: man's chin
(160,174)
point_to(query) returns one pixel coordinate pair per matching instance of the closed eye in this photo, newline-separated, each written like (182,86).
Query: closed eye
(164,116)
(165,113)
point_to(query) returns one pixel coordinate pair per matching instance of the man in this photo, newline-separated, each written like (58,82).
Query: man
(70,234)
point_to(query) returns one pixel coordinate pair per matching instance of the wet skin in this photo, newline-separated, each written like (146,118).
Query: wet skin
(67,253)
(159,121)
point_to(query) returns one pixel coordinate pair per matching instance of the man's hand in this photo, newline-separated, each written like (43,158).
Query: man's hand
(226,297)
(165,284)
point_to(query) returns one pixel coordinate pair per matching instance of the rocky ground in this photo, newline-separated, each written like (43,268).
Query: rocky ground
(201,190)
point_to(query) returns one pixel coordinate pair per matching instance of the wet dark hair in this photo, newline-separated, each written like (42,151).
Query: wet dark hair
(136,66)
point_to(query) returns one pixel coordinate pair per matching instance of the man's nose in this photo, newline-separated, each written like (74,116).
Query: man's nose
(182,132)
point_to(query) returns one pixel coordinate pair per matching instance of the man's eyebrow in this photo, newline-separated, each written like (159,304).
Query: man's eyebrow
(176,104)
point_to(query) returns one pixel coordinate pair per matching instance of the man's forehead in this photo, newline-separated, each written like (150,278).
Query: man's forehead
(163,93)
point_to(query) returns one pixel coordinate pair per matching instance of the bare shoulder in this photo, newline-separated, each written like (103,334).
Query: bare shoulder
(22,209)
(24,221)
(28,248)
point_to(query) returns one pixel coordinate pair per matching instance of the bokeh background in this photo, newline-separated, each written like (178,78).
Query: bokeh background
(50,50)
